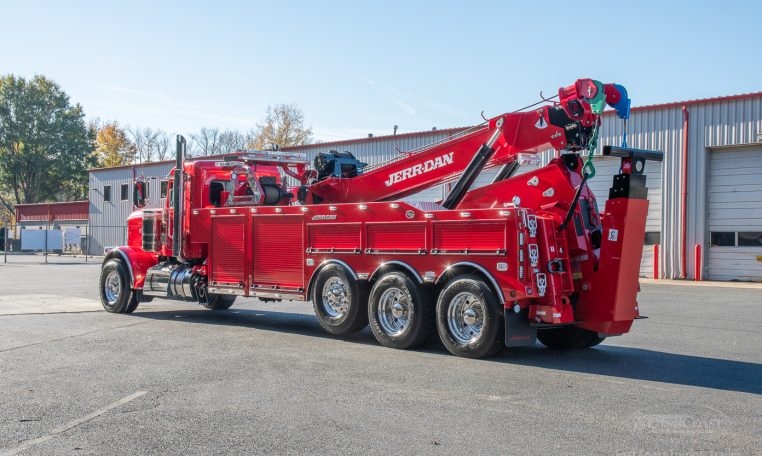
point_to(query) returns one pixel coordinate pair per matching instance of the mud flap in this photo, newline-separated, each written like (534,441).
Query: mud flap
(518,332)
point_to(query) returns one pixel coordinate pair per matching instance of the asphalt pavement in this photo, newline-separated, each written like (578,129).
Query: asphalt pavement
(263,378)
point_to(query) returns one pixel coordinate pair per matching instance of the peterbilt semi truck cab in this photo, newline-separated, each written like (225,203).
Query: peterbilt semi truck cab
(526,257)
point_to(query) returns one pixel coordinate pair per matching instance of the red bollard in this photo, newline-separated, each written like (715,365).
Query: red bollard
(698,263)
(656,261)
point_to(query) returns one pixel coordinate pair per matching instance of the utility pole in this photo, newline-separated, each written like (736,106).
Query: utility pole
(47,233)
(5,242)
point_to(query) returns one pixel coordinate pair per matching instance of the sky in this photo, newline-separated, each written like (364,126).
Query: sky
(360,67)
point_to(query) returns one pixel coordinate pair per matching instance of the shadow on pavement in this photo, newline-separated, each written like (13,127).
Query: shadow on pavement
(643,364)
(286,322)
(612,361)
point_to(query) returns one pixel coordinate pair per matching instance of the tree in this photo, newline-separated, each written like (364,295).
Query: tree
(162,146)
(206,141)
(150,144)
(113,147)
(45,145)
(146,142)
(283,126)
(232,140)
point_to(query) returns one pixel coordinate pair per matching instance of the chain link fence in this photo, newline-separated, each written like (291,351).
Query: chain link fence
(28,242)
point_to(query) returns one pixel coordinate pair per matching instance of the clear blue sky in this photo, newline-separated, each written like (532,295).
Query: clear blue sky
(362,66)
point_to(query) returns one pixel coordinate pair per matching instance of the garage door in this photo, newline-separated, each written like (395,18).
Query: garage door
(606,168)
(735,215)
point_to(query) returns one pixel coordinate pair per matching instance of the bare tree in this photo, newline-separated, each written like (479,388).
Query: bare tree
(163,151)
(283,126)
(251,139)
(232,140)
(206,141)
(145,142)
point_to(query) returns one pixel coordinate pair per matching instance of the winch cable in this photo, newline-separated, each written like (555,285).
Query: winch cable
(544,100)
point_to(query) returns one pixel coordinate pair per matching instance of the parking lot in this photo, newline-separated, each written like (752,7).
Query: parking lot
(263,378)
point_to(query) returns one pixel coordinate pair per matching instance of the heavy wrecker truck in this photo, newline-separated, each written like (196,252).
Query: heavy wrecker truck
(527,257)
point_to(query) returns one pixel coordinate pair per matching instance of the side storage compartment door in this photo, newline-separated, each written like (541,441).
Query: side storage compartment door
(277,253)
(228,267)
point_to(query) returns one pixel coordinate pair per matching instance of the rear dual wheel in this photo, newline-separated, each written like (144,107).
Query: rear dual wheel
(469,318)
(340,302)
(400,312)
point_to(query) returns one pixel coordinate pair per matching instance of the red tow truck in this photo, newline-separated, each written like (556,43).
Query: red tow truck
(527,257)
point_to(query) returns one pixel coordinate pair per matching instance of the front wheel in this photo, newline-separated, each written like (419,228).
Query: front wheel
(469,318)
(116,295)
(568,338)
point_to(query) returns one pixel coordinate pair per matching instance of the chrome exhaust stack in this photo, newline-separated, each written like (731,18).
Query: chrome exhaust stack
(177,199)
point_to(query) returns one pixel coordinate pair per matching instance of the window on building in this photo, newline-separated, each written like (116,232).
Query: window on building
(125,192)
(147,189)
(750,239)
(164,185)
(652,238)
(107,193)
(722,239)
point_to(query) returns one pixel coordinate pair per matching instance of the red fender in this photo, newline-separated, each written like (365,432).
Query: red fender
(137,261)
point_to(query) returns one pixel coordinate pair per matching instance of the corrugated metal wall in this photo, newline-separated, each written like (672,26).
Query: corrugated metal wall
(42,212)
(711,124)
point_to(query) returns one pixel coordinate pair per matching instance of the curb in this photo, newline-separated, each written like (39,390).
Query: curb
(703,283)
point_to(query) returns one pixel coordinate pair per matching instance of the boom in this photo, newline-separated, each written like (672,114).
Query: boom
(567,124)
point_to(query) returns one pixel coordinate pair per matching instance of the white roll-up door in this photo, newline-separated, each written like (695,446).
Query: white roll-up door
(735,215)
(605,169)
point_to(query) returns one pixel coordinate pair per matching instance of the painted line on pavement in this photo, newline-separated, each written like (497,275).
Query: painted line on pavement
(72,424)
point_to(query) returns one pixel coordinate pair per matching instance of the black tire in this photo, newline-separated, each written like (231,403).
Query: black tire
(481,338)
(568,338)
(218,302)
(134,301)
(345,309)
(114,288)
(137,298)
(414,305)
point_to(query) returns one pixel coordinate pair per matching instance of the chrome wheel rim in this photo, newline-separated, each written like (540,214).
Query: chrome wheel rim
(465,317)
(394,311)
(335,298)
(112,286)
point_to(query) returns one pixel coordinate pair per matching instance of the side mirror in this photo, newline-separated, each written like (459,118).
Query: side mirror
(139,194)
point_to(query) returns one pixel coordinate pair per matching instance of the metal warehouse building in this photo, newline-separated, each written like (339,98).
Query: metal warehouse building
(705,198)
